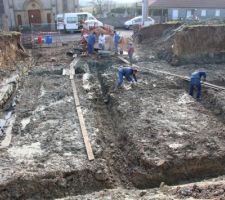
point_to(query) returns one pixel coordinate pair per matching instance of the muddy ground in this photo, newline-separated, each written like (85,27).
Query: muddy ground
(150,135)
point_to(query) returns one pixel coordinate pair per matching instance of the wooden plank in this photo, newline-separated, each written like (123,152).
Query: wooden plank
(80,114)
(175,75)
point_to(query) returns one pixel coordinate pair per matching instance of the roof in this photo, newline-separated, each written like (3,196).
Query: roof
(220,4)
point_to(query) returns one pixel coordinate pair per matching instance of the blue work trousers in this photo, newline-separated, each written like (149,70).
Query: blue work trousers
(130,55)
(116,44)
(198,87)
(120,78)
(90,48)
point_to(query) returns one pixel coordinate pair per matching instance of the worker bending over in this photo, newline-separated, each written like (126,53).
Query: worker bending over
(128,72)
(195,82)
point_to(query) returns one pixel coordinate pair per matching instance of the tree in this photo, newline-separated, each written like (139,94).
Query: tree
(98,5)
(101,6)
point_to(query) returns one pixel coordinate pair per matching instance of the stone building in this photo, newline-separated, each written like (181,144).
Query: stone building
(24,12)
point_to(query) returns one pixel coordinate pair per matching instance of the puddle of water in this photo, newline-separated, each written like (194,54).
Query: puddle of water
(26,151)
(24,122)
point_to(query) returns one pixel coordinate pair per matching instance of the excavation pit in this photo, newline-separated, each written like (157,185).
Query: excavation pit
(141,136)
(164,135)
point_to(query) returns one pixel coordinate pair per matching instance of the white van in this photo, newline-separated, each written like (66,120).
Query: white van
(72,21)
(59,22)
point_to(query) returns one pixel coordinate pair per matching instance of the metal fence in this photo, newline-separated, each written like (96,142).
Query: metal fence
(40,35)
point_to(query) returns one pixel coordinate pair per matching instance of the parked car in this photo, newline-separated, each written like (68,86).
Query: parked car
(93,23)
(138,21)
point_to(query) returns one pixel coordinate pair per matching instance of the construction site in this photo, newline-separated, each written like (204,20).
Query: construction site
(67,133)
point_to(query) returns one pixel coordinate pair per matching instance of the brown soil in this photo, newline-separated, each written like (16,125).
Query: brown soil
(149,140)
(182,44)
(11,50)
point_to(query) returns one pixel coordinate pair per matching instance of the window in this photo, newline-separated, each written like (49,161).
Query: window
(137,20)
(203,13)
(189,13)
(19,20)
(60,19)
(49,18)
(71,20)
(217,14)
(175,14)
(82,17)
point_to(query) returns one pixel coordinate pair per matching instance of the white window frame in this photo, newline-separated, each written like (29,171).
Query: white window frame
(203,13)
(217,13)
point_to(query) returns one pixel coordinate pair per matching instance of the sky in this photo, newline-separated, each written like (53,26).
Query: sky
(85,2)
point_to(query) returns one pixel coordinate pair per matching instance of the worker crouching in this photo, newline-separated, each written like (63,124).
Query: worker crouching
(129,73)
(195,82)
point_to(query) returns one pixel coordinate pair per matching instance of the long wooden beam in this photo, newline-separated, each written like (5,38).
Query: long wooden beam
(210,85)
(79,112)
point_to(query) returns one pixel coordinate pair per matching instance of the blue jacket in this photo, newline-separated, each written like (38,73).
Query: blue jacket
(91,39)
(116,38)
(128,72)
(196,77)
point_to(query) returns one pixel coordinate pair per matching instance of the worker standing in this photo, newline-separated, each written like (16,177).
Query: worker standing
(195,82)
(116,40)
(130,52)
(101,41)
(128,72)
(91,42)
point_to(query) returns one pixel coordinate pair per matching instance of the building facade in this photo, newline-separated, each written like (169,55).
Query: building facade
(25,12)
(1,13)
(187,9)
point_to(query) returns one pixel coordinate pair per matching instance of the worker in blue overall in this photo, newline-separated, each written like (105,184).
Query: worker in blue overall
(128,72)
(195,82)
(91,42)
(116,39)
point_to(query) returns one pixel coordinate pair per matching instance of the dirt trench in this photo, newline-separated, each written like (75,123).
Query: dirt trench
(141,136)
(175,140)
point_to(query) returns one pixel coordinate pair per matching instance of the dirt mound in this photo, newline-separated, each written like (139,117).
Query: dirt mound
(182,44)
(200,44)
(10,49)
(155,32)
